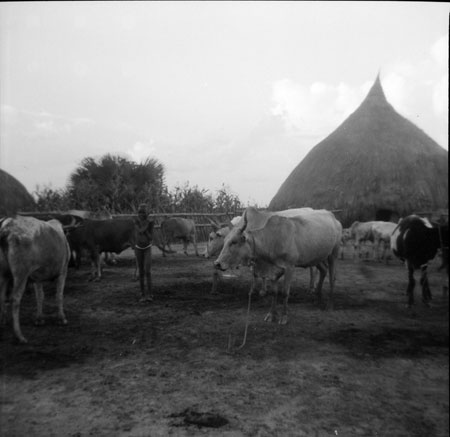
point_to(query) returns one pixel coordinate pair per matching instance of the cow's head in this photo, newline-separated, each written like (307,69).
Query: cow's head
(216,239)
(236,247)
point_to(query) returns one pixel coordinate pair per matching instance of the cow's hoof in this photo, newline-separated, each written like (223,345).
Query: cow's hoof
(147,299)
(283,320)
(62,322)
(21,339)
(39,322)
(269,318)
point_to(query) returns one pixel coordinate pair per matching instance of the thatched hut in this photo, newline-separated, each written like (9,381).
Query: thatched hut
(13,195)
(376,165)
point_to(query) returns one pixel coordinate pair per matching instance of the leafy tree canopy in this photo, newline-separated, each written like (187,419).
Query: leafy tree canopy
(117,185)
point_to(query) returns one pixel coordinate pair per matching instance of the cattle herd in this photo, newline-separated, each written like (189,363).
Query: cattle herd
(271,244)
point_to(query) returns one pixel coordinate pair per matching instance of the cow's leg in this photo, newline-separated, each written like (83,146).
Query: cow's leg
(376,250)
(426,292)
(136,268)
(263,290)
(215,279)
(312,279)
(194,242)
(272,314)
(386,252)
(185,245)
(356,250)
(331,278)
(4,284)
(411,284)
(322,273)
(288,275)
(39,293)
(60,284)
(16,297)
(163,249)
(96,273)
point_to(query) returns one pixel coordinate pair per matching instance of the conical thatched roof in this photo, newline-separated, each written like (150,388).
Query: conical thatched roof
(13,195)
(376,165)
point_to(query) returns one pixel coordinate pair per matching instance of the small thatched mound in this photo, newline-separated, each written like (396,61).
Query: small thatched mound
(376,166)
(13,195)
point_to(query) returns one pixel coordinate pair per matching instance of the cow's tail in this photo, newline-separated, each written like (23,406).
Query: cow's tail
(5,270)
(3,241)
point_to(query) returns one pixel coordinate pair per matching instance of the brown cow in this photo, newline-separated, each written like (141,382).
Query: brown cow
(98,236)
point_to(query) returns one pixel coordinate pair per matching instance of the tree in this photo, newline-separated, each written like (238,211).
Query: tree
(49,199)
(190,199)
(226,201)
(116,184)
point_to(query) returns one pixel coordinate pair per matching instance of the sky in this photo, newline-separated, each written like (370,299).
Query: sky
(221,93)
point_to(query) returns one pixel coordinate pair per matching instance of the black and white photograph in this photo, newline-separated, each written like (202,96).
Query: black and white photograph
(224,218)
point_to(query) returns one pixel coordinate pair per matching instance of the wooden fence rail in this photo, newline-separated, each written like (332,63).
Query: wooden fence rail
(202,220)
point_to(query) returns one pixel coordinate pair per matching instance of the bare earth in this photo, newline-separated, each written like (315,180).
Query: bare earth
(122,368)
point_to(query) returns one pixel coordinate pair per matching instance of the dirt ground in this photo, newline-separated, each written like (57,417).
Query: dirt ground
(123,368)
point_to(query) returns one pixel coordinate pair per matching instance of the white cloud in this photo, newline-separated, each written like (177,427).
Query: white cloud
(440,97)
(439,51)
(314,110)
(141,150)
(418,90)
(396,89)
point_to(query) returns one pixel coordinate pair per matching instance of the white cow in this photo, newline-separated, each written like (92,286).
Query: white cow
(275,245)
(361,232)
(382,232)
(217,238)
(31,249)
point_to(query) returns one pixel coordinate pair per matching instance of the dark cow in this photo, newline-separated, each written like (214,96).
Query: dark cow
(80,214)
(177,228)
(31,249)
(275,245)
(98,236)
(102,215)
(417,242)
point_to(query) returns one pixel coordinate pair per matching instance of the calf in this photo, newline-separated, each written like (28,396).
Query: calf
(416,242)
(31,249)
(382,232)
(361,232)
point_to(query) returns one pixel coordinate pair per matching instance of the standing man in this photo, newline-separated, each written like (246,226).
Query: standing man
(143,229)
